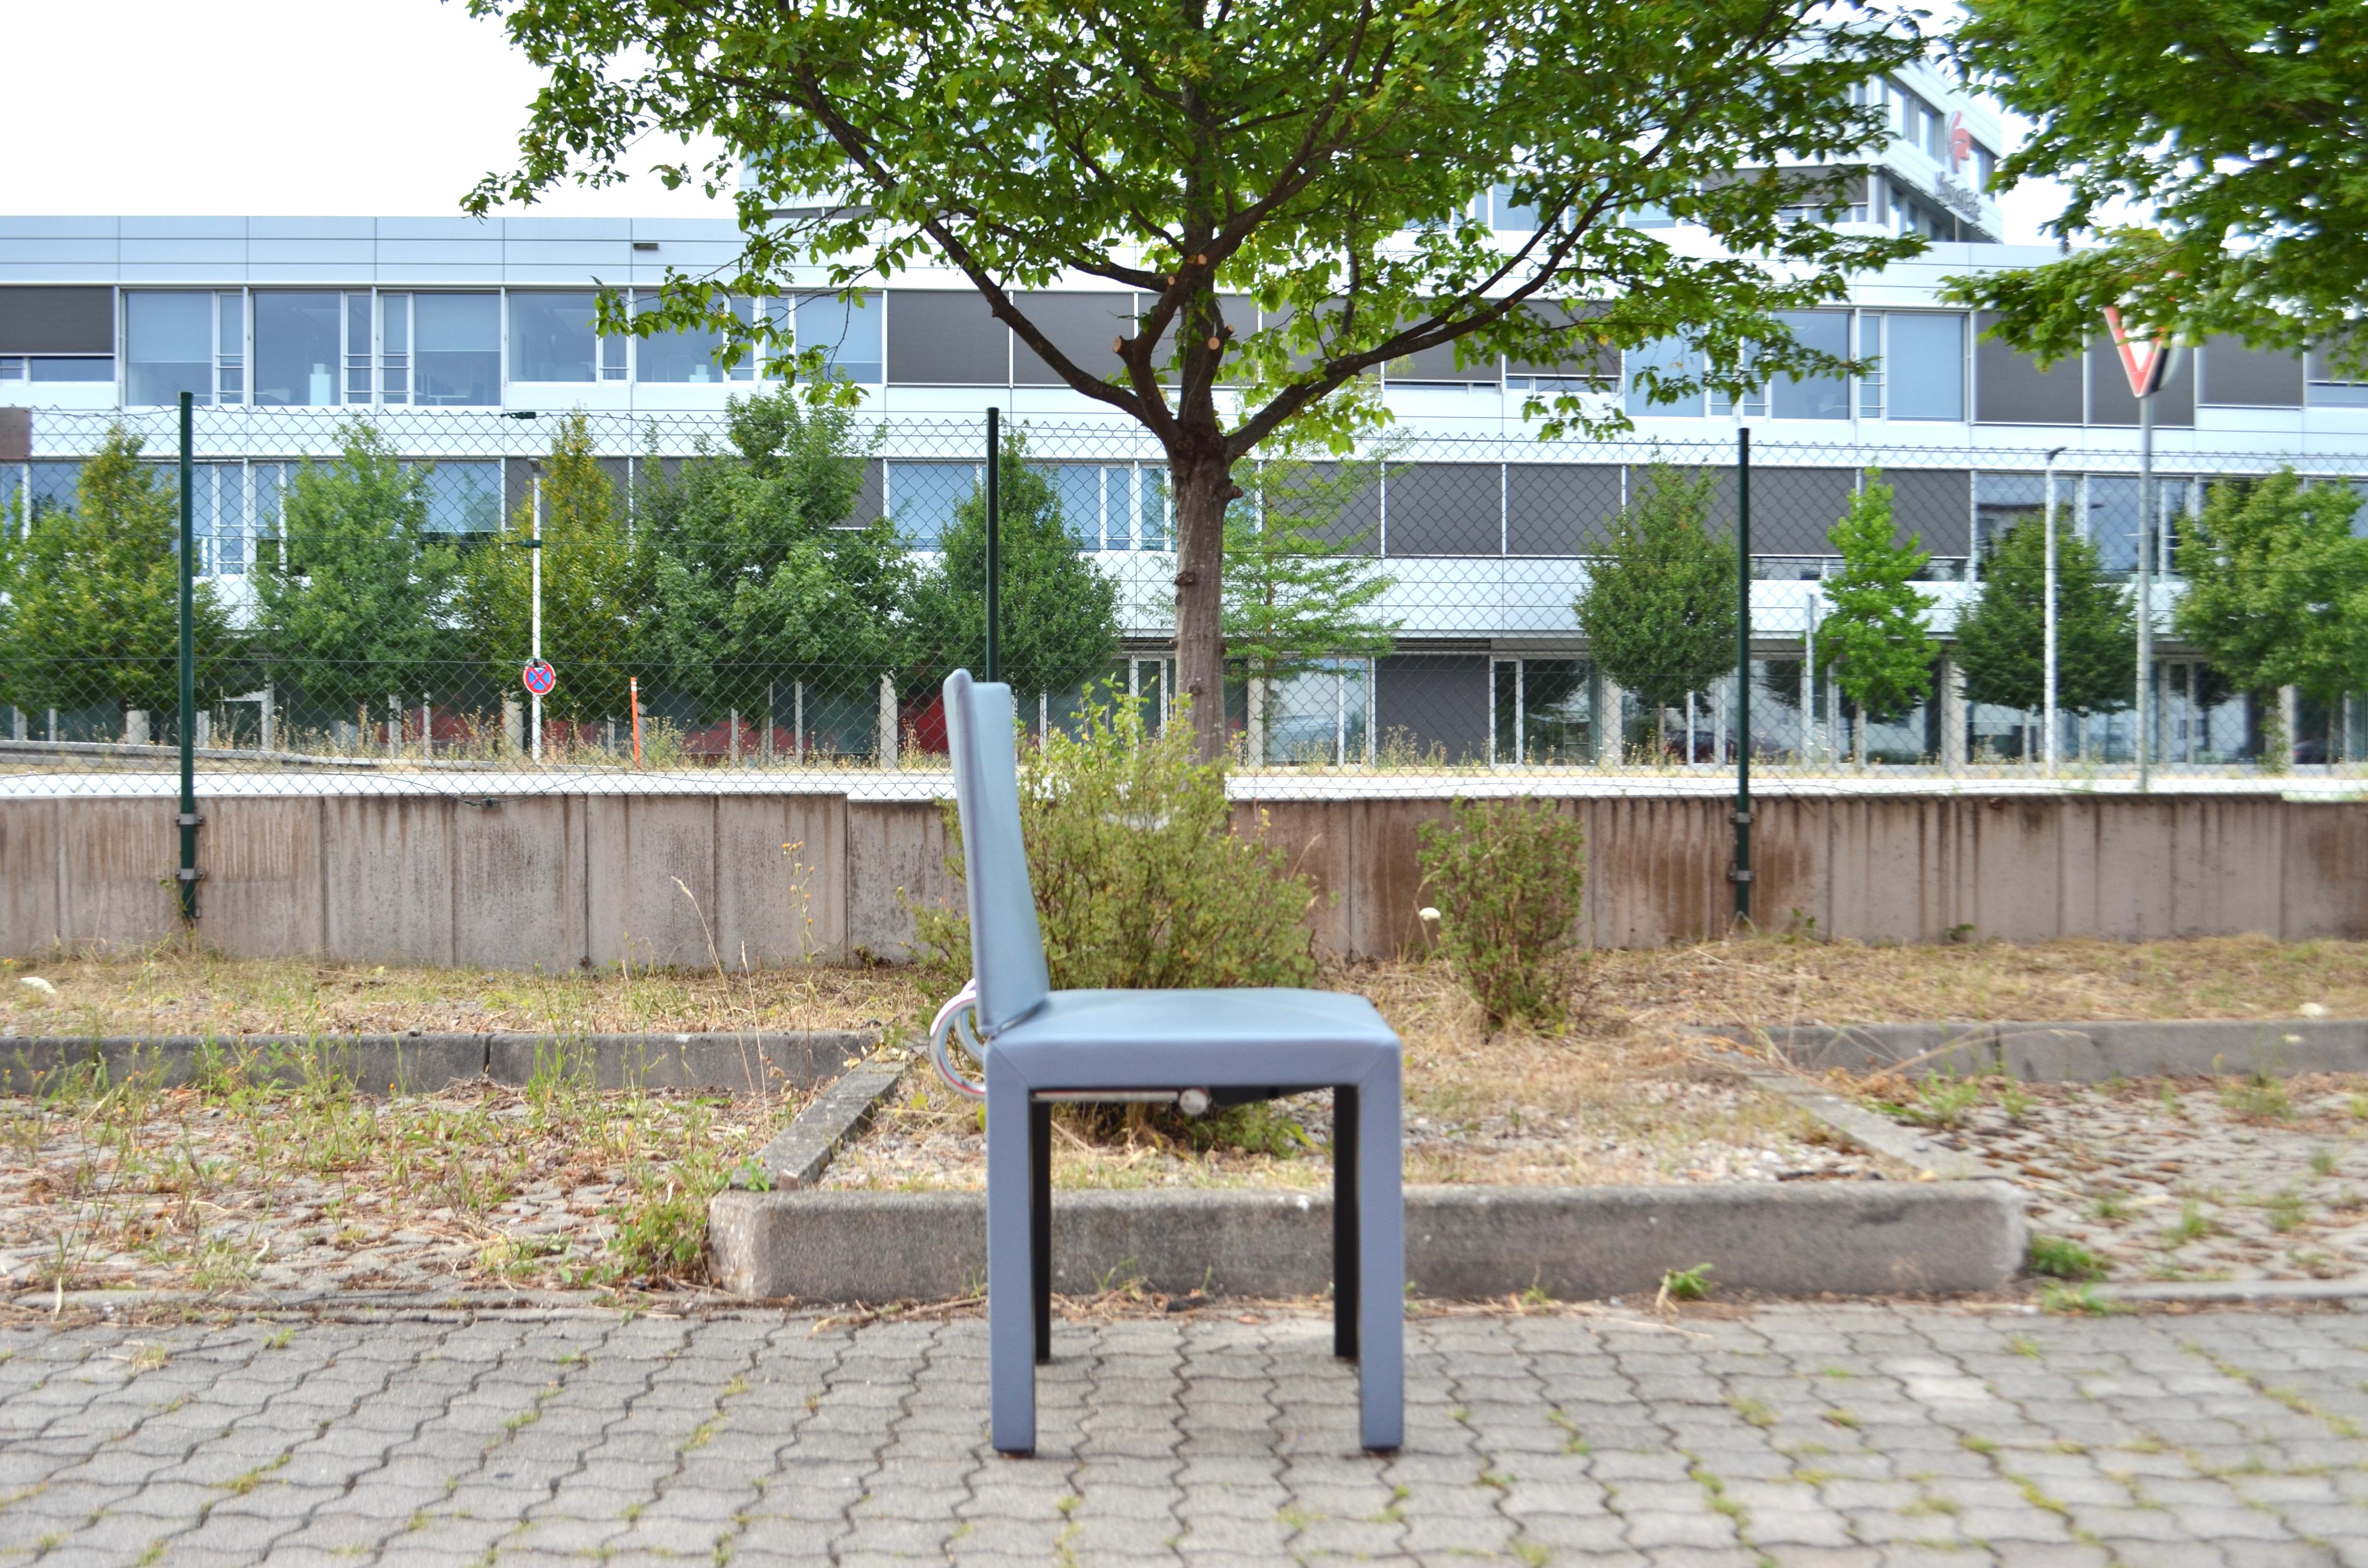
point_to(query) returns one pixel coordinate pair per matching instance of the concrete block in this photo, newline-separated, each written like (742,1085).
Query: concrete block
(1843,1238)
(740,1064)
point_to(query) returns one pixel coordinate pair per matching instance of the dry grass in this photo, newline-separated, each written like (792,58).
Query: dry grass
(176,989)
(1637,999)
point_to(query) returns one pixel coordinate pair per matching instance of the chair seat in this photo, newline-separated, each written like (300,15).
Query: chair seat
(1117,1040)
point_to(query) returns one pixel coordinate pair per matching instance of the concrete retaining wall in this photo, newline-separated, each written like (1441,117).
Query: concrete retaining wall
(556,881)
(1576,1243)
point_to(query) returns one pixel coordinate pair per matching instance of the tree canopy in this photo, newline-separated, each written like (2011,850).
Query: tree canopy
(2235,125)
(1299,590)
(2277,586)
(354,599)
(1059,614)
(93,610)
(1872,635)
(1658,609)
(763,573)
(2002,641)
(1318,160)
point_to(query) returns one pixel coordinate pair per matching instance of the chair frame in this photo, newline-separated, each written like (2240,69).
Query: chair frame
(1023,1085)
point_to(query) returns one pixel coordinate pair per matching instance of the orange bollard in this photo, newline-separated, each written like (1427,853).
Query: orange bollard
(634,695)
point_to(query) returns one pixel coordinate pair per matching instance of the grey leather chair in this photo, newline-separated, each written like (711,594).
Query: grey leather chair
(1233,1046)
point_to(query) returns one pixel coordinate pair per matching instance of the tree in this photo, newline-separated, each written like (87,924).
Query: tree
(1297,591)
(596,585)
(2235,125)
(1872,635)
(93,611)
(354,602)
(1658,608)
(2002,637)
(2277,586)
(762,575)
(1317,159)
(1059,614)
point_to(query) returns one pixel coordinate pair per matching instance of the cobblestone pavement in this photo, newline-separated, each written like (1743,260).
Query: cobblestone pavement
(1840,1435)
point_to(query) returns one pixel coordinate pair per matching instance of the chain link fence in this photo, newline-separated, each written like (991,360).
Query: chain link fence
(768,599)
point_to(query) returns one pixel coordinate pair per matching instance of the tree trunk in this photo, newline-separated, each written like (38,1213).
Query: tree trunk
(1204,485)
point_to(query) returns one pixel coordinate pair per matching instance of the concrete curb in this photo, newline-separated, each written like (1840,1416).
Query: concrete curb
(2078,1053)
(414,1063)
(2217,1292)
(1576,1243)
(801,1151)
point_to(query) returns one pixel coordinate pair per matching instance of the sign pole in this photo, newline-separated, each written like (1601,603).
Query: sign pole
(188,875)
(994,544)
(534,548)
(2047,611)
(2145,375)
(1741,874)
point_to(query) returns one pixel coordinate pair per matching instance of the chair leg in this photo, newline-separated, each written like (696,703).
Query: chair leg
(1380,1248)
(1011,1366)
(1040,1225)
(1345,1226)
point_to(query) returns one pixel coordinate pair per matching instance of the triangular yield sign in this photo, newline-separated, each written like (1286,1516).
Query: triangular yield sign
(2141,362)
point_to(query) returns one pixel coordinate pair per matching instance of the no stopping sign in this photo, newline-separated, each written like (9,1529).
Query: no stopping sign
(539,677)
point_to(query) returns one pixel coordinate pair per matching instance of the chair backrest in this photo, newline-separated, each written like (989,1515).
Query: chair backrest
(1006,949)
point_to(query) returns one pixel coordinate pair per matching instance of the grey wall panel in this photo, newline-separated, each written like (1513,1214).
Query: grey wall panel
(1793,510)
(2010,389)
(57,321)
(1602,363)
(1343,511)
(870,498)
(1718,510)
(2234,376)
(1935,503)
(1445,509)
(193,255)
(2110,402)
(946,337)
(1559,508)
(1433,700)
(1082,326)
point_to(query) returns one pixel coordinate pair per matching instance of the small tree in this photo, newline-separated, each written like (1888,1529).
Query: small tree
(1507,877)
(94,612)
(353,601)
(1873,635)
(1297,592)
(2277,586)
(1059,612)
(763,575)
(2002,637)
(1658,608)
(597,584)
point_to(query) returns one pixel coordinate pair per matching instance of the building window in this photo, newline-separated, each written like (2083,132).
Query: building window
(847,334)
(1814,397)
(1920,365)
(2324,386)
(1544,712)
(464,497)
(1509,216)
(1667,356)
(456,350)
(299,348)
(554,338)
(689,357)
(923,497)
(394,347)
(168,347)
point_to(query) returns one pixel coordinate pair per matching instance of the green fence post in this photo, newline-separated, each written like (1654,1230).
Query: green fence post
(186,877)
(994,544)
(1741,874)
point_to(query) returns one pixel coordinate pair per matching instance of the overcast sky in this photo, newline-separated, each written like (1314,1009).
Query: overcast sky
(362,108)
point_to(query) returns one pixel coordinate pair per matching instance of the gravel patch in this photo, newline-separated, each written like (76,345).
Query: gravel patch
(1622,1133)
(2178,1178)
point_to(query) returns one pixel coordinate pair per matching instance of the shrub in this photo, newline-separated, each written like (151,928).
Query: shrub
(1506,876)
(1140,880)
